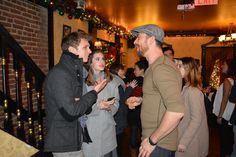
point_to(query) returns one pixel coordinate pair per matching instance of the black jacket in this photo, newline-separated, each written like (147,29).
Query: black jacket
(121,115)
(63,84)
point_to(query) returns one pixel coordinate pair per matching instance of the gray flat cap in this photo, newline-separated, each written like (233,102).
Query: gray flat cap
(150,29)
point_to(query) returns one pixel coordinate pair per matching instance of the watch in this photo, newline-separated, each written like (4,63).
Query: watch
(151,142)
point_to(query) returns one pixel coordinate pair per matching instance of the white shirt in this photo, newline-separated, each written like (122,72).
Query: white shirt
(217,102)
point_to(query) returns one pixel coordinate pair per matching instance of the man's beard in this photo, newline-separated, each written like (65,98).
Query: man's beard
(141,52)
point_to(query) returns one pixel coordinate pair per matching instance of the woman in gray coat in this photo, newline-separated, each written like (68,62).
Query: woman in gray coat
(100,122)
(193,129)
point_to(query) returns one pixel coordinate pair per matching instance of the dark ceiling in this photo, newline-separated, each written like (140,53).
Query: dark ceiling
(132,13)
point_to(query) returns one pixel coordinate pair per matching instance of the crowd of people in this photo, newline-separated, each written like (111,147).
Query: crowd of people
(161,100)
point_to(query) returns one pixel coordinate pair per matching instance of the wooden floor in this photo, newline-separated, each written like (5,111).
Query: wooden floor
(213,143)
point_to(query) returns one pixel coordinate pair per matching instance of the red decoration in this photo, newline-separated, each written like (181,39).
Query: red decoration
(70,17)
(111,53)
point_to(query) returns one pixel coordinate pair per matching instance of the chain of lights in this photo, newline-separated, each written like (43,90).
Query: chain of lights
(72,10)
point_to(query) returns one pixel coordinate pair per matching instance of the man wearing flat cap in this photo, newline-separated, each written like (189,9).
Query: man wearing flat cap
(162,105)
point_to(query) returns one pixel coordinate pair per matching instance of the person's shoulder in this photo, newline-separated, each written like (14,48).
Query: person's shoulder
(115,81)
(194,90)
(57,68)
(57,72)
(228,80)
(115,77)
(164,62)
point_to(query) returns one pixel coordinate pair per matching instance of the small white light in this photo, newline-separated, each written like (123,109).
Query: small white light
(221,38)
(227,38)
(233,35)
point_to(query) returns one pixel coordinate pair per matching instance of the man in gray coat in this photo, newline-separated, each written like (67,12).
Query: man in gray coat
(66,99)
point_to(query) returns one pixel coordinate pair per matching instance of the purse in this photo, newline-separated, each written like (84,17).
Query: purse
(232,96)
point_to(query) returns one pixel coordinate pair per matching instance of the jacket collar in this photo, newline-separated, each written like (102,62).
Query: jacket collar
(72,55)
(72,61)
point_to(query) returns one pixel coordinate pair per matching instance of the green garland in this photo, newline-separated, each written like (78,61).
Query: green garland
(70,7)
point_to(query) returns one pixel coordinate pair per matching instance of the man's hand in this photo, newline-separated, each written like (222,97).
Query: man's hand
(100,85)
(145,149)
(132,84)
(132,102)
(181,148)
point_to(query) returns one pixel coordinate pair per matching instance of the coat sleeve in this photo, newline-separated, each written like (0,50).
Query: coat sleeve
(60,87)
(196,108)
(115,106)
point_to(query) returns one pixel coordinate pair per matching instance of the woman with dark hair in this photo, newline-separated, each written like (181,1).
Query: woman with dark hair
(193,138)
(223,109)
(100,122)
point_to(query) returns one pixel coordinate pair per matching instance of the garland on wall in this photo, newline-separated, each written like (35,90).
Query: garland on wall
(70,7)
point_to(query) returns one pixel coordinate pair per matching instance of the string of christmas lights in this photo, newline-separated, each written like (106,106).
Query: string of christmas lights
(72,10)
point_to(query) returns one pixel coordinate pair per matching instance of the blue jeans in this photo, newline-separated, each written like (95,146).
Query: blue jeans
(161,152)
(234,147)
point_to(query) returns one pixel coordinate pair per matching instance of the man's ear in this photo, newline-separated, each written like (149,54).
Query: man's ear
(152,39)
(72,49)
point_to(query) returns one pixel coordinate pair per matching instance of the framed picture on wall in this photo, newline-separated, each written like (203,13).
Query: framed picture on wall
(66,30)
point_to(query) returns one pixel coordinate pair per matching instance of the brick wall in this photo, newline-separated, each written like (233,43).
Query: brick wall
(28,24)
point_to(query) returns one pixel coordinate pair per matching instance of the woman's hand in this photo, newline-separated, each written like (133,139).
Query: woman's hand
(219,120)
(105,105)
(181,148)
